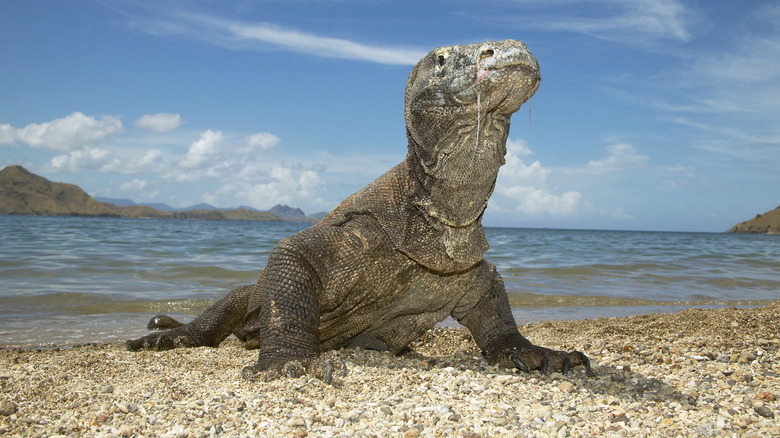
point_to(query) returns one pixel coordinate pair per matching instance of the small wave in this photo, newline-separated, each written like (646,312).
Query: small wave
(75,303)
(532,300)
(209,272)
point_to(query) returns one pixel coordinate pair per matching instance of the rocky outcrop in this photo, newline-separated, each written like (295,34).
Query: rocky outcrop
(767,223)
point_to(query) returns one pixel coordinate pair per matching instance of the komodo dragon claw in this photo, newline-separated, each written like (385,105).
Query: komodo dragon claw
(546,360)
(324,367)
(519,363)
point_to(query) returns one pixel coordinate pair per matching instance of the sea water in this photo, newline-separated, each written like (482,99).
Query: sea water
(71,280)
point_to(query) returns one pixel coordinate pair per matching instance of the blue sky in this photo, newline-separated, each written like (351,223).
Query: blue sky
(651,114)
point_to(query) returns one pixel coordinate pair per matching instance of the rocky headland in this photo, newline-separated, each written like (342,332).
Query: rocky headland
(767,223)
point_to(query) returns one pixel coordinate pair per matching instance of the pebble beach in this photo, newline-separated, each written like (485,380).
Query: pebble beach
(693,373)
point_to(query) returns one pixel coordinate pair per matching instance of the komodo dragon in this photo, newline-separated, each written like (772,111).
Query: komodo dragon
(403,253)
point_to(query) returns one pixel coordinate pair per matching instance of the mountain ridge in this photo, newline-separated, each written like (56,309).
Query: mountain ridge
(25,193)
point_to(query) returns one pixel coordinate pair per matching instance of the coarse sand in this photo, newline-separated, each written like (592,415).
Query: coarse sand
(692,373)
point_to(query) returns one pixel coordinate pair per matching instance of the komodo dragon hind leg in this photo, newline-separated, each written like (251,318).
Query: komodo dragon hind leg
(209,329)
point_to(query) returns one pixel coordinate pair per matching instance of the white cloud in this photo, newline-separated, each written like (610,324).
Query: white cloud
(622,156)
(133,186)
(318,44)
(526,187)
(534,200)
(70,132)
(90,159)
(161,122)
(515,171)
(152,159)
(203,150)
(238,35)
(7,134)
(262,140)
(309,182)
(284,185)
(216,156)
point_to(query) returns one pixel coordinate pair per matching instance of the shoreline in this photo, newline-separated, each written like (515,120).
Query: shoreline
(76,331)
(713,372)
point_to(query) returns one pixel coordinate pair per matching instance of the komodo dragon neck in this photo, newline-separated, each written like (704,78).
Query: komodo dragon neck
(459,100)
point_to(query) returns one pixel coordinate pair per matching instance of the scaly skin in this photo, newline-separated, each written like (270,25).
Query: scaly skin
(406,251)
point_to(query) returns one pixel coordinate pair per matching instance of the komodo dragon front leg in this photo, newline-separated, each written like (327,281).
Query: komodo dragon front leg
(488,316)
(283,318)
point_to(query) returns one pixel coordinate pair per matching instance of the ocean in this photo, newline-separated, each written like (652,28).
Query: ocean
(73,280)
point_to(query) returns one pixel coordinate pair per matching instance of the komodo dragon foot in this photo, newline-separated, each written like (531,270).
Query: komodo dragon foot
(163,322)
(166,340)
(324,367)
(542,359)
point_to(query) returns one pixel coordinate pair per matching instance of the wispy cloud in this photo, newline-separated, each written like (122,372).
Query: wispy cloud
(626,21)
(621,157)
(161,122)
(238,35)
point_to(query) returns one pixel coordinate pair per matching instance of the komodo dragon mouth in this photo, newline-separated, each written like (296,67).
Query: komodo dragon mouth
(460,76)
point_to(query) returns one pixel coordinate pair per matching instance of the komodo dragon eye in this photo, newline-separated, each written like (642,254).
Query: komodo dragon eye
(441,59)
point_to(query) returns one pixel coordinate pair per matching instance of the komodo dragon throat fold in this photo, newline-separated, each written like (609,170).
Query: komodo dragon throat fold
(403,253)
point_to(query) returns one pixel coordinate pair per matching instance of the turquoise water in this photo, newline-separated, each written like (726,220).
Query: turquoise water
(73,280)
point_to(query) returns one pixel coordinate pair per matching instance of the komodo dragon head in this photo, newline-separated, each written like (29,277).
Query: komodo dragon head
(459,100)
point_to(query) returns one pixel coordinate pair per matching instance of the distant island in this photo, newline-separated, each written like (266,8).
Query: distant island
(767,223)
(25,193)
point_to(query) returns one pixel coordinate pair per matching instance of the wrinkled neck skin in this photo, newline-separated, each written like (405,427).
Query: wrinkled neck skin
(454,188)
(459,101)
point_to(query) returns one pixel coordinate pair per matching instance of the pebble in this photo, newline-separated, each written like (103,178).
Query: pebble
(8,408)
(685,374)
(764,411)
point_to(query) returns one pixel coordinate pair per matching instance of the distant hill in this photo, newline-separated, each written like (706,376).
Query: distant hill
(23,192)
(288,213)
(283,212)
(767,223)
(295,214)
